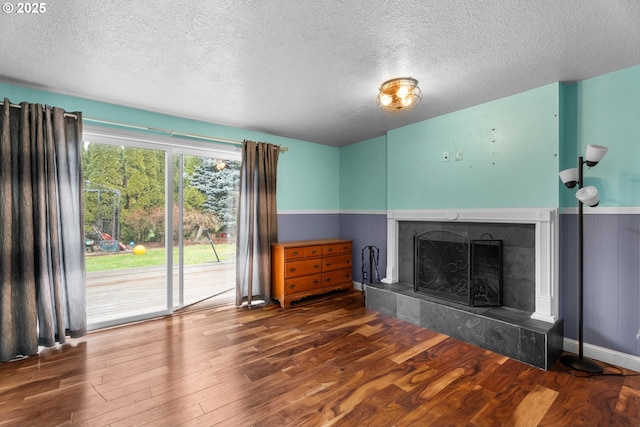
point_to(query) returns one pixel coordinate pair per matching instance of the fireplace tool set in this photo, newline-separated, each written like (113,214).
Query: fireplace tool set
(373,257)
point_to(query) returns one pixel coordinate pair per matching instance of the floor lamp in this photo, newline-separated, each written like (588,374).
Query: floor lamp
(589,196)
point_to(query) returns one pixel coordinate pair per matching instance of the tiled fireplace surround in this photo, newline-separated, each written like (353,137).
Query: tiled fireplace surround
(526,327)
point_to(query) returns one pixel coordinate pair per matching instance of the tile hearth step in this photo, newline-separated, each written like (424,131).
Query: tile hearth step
(503,330)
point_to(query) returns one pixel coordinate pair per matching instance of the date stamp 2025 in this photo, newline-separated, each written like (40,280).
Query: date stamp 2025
(24,8)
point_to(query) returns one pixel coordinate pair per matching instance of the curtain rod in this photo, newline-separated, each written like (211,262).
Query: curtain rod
(147,128)
(20,106)
(171,132)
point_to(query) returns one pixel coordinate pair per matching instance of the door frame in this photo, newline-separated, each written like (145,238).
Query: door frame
(171,146)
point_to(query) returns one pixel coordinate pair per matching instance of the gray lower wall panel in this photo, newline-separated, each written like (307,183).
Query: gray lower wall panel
(611,280)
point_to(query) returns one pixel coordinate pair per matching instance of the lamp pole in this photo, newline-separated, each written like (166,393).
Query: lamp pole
(579,362)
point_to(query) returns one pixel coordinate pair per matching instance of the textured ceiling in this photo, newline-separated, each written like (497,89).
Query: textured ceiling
(310,69)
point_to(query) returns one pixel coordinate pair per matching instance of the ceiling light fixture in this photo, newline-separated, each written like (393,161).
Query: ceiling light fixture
(401,93)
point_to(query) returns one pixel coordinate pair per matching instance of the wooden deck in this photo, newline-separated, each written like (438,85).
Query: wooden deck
(133,292)
(324,362)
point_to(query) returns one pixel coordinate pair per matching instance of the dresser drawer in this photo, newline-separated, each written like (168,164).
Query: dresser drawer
(302,267)
(337,248)
(345,247)
(331,249)
(303,252)
(300,284)
(313,251)
(331,263)
(336,277)
(294,253)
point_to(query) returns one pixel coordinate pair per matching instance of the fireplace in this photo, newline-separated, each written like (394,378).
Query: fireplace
(541,300)
(448,266)
(525,325)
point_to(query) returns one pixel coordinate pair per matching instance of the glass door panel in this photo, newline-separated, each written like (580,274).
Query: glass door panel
(205,195)
(124,224)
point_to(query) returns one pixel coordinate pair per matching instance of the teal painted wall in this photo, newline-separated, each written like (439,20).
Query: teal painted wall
(363,175)
(568,140)
(309,180)
(308,174)
(510,156)
(607,112)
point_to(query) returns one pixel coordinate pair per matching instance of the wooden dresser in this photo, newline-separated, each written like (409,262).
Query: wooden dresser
(310,267)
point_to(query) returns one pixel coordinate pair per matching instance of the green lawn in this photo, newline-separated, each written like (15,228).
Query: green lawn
(195,254)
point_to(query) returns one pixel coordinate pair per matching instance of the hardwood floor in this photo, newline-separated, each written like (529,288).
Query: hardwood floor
(328,361)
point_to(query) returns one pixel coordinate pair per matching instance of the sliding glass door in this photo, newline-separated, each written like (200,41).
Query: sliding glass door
(159,226)
(206,190)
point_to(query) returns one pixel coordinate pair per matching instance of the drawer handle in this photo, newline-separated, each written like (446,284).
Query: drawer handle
(313,252)
(316,266)
(330,250)
(328,279)
(315,282)
(345,248)
(295,253)
(328,264)
(292,269)
(292,286)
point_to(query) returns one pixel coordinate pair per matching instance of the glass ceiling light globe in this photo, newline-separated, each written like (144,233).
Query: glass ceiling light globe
(399,94)
(385,100)
(402,91)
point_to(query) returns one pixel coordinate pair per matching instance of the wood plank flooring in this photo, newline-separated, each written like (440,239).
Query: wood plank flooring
(323,362)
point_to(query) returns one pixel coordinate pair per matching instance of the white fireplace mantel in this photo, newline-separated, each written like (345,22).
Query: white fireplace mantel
(546,245)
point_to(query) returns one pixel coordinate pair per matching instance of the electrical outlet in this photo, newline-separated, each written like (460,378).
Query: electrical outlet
(458,154)
(445,156)
(364,275)
(638,334)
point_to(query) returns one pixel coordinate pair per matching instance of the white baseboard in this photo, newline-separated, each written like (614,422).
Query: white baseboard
(357,285)
(605,355)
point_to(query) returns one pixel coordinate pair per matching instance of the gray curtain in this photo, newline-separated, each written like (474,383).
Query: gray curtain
(42,279)
(257,222)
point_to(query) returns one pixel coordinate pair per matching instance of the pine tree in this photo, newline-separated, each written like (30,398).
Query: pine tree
(102,175)
(219,181)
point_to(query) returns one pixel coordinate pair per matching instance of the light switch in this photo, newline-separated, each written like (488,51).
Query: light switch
(458,154)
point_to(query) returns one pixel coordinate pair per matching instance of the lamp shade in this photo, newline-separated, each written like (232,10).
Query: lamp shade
(594,154)
(588,196)
(569,177)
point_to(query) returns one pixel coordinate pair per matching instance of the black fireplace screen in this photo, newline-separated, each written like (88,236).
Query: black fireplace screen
(448,266)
